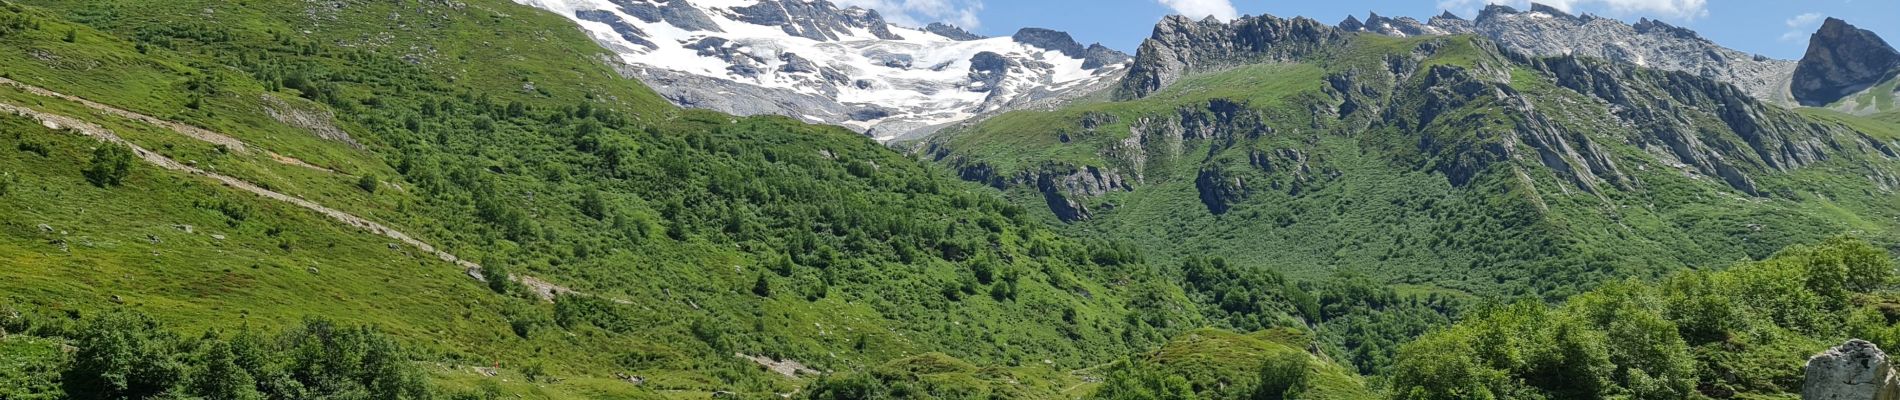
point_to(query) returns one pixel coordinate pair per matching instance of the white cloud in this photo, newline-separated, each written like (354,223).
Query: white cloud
(1799,26)
(917,13)
(1197,9)
(1673,9)
(1804,20)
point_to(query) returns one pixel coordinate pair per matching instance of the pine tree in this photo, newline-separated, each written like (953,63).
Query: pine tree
(762,287)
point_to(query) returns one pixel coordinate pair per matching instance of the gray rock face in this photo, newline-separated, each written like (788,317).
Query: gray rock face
(684,16)
(1857,370)
(1666,107)
(951,31)
(1841,61)
(817,20)
(1094,56)
(1098,56)
(1181,46)
(1545,31)
(987,69)
(1049,39)
(1407,26)
(631,33)
(676,12)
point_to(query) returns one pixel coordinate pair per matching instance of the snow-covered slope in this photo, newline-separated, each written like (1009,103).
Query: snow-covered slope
(812,60)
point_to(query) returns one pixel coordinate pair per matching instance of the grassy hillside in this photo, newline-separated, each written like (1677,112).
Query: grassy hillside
(688,238)
(1442,165)
(1216,364)
(1531,183)
(666,253)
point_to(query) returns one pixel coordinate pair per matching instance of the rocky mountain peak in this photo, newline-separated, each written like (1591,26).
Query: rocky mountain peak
(1538,10)
(1495,10)
(1546,31)
(951,31)
(1552,11)
(1841,61)
(1049,39)
(1405,26)
(1094,56)
(1649,26)
(1352,23)
(1180,46)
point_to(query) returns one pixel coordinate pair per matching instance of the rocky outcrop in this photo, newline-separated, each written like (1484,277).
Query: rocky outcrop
(1093,56)
(816,20)
(1446,24)
(951,31)
(1219,190)
(1668,110)
(1097,56)
(1466,148)
(987,70)
(632,34)
(1857,370)
(678,13)
(1181,46)
(1546,31)
(1047,39)
(1842,60)
(1068,189)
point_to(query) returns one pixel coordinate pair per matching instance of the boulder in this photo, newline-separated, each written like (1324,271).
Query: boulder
(1857,370)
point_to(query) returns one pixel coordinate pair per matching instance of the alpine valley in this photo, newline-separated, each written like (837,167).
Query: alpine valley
(759,199)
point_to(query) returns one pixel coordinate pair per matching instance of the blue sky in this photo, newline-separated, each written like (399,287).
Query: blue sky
(1777,28)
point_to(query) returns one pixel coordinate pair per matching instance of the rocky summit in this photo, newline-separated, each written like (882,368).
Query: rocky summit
(1182,46)
(846,66)
(1842,60)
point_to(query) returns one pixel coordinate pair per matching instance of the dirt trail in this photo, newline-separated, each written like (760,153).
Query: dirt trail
(194,132)
(545,290)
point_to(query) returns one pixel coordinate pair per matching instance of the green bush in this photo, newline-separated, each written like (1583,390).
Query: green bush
(1742,330)
(368,183)
(123,355)
(111,163)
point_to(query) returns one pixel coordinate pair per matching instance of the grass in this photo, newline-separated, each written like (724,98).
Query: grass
(493,161)
(1212,358)
(129,245)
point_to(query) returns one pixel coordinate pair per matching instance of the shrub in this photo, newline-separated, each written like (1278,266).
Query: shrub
(497,277)
(110,165)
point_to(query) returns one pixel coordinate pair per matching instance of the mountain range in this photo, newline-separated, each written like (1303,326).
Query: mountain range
(553,199)
(848,66)
(845,66)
